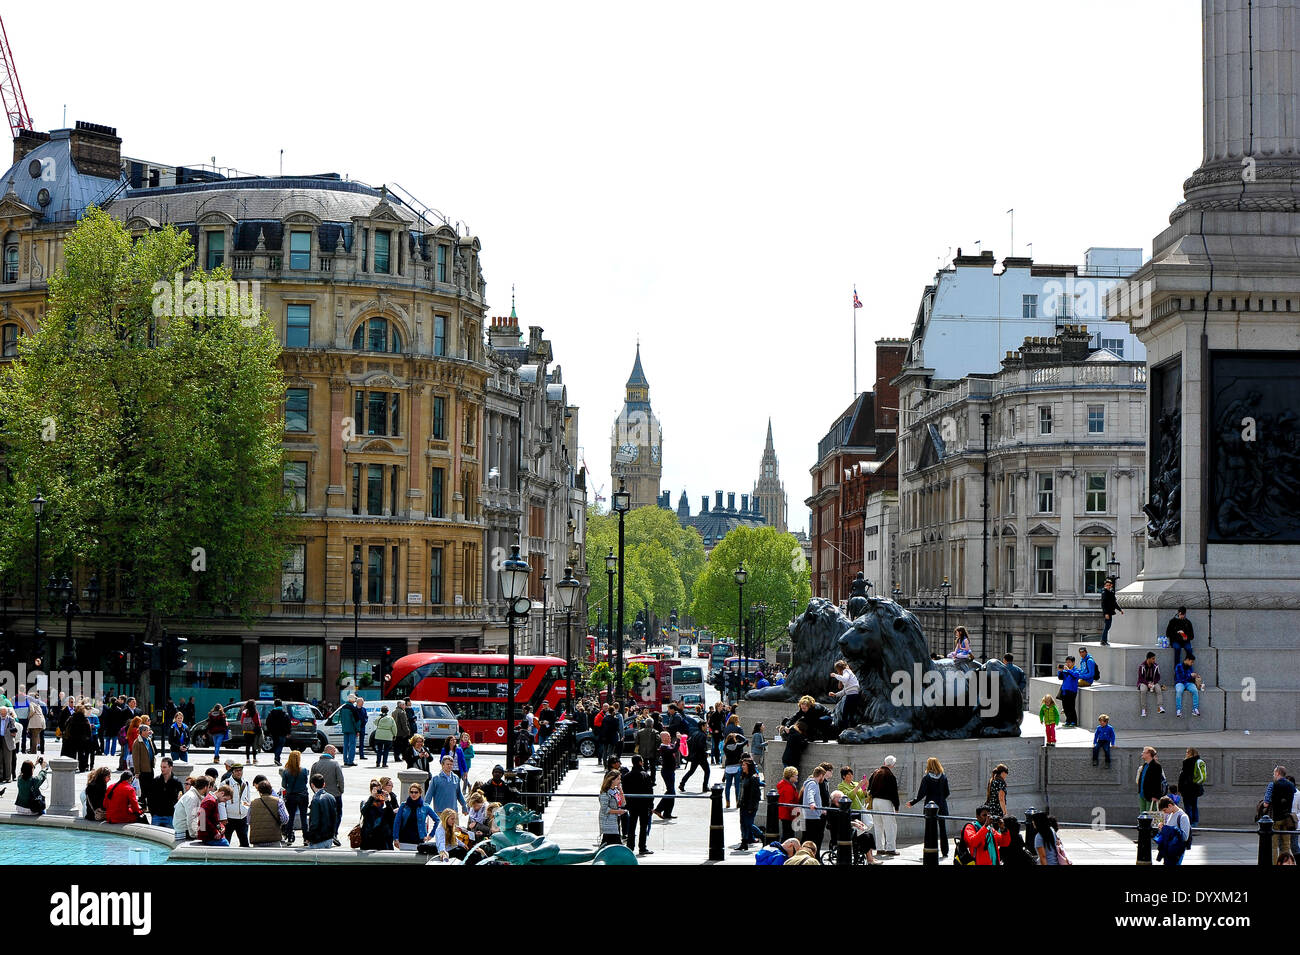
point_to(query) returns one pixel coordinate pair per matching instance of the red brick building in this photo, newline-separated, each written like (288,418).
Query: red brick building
(855,458)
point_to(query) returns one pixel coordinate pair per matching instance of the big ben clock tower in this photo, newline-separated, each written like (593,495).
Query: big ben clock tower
(636,442)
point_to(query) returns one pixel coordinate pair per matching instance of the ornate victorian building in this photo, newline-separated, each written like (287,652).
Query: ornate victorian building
(636,442)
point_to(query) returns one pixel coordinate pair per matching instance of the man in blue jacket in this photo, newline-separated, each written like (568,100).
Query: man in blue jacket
(776,853)
(1069,678)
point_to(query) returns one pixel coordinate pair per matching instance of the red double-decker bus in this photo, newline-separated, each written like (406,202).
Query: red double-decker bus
(474,686)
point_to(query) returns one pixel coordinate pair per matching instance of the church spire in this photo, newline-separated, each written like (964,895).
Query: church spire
(637,379)
(512,303)
(770,445)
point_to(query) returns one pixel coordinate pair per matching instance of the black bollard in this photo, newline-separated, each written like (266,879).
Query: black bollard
(1265,840)
(716,850)
(843,836)
(533,779)
(930,855)
(1144,839)
(773,832)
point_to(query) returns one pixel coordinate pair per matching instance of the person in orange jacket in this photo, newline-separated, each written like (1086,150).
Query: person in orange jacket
(985,837)
(120,802)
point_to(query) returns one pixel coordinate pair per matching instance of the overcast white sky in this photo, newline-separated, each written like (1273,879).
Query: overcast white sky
(713,177)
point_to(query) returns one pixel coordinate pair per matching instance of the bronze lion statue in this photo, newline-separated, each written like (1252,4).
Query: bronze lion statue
(906,696)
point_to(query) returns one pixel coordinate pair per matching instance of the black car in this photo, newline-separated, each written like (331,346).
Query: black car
(304,731)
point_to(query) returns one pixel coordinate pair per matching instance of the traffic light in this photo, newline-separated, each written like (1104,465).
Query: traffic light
(154,655)
(176,652)
(386,666)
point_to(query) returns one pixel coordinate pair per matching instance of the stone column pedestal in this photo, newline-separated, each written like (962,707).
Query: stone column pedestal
(62,799)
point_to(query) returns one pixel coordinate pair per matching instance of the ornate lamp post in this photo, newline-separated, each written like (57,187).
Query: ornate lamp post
(1112,567)
(567,589)
(896,593)
(611,565)
(356,618)
(741,576)
(38,507)
(514,585)
(546,579)
(622,503)
(70,609)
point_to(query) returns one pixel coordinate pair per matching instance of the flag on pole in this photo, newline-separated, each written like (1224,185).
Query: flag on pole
(857,302)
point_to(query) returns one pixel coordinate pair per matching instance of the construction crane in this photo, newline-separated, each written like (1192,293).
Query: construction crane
(11,90)
(599,496)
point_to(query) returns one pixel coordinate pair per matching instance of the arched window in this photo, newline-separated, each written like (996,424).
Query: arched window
(377,334)
(11,258)
(9,335)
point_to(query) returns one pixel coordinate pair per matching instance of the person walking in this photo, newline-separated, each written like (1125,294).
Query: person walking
(883,789)
(667,761)
(36,724)
(348,724)
(331,773)
(22,708)
(1180,633)
(1103,738)
(996,793)
(385,733)
(278,727)
(267,818)
(813,806)
(250,725)
(1109,607)
(1049,716)
(933,788)
(1148,683)
(1191,783)
(323,812)
(647,742)
(733,749)
(748,799)
(758,746)
(401,729)
(241,798)
(638,789)
(294,790)
(697,755)
(1175,834)
(1278,799)
(1187,680)
(1150,780)
(611,808)
(78,740)
(466,759)
(218,731)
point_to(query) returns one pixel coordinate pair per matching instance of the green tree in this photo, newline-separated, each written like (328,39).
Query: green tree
(777,574)
(155,439)
(663,561)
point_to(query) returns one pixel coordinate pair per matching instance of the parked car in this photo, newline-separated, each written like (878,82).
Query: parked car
(305,725)
(684,651)
(586,741)
(694,705)
(435,721)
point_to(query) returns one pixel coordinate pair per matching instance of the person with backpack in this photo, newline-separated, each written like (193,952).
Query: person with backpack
(982,839)
(1149,683)
(1089,672)
(251,726)
(1150,780)
(1191,783)
(1278,798)
(1175,833)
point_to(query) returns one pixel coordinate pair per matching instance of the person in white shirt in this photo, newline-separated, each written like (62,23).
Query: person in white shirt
(849,689)
(237,808)
(185,817)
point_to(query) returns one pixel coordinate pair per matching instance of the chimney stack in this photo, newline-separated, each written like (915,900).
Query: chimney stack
(96,150)
(26,141)
(704,503)
(731,501)
(744,503)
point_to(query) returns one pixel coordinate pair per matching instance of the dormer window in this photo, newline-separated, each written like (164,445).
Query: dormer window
(216,250)
(382,238)
(377,334)
(442,263)
(300,250)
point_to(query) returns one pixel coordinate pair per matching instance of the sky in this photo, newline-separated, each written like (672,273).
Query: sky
(711,179)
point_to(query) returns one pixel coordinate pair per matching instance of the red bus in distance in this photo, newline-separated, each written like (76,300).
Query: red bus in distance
(474,686)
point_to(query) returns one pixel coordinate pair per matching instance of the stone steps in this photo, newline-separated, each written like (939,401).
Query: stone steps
(1123,706)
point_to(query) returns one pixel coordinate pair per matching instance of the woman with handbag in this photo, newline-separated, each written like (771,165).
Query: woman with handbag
(251,726)
(96,790)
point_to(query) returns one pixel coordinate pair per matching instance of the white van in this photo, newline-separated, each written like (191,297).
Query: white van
(435,721)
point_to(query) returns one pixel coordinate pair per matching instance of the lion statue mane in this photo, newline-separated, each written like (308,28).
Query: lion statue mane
(906,696)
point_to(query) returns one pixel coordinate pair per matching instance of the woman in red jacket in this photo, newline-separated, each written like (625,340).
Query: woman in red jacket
(985,837)
(787,791)
(120,803)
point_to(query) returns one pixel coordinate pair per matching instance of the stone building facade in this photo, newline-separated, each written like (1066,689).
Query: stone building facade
(769,490)
(1066,466)
(636,442)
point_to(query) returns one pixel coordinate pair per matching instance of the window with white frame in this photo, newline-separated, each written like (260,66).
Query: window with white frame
(1028,306)
(1046,492)
(1011,568)
(1115,345)
(1044,419)
(293,574)
(1096,419)
(1011,494)
(1044,566)
(1094,498)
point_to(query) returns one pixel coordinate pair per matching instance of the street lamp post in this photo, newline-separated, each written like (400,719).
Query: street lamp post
(546,579)
(38,506)
(622,503)
(514,584)
(741,576)
(896,593)
(611,565)
(567,589)
(945,587)
(356,617)
(1112,567)
(70,609)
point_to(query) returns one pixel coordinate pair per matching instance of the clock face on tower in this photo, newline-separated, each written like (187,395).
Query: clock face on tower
(628,453)
(654,454)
